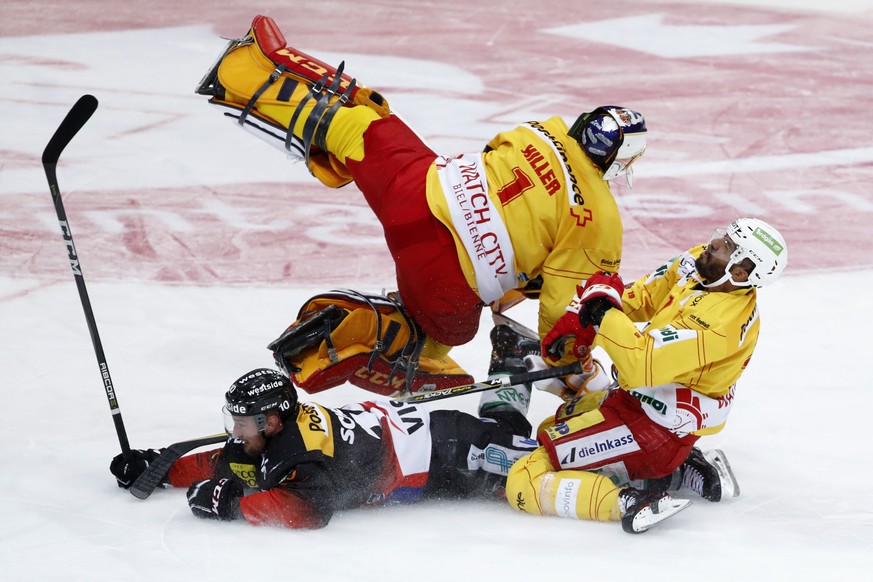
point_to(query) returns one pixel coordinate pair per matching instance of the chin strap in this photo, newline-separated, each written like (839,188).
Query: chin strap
(727,277)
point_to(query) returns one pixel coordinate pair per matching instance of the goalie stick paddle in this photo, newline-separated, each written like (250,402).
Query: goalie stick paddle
(149,480)
(80,113)
(523,378)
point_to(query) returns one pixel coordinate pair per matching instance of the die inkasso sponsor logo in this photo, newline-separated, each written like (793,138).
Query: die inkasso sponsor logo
(768,240)
(593,448)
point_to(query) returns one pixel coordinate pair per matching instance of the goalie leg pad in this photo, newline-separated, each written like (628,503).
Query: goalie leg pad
(258,73)
(367,340)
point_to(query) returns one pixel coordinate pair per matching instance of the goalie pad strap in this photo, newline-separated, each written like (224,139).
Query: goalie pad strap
(321,130)
(381,344)
(274,76)
(290,137)
(321,104)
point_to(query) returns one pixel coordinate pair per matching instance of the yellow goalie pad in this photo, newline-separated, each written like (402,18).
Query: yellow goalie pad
(369,341)
(263,82)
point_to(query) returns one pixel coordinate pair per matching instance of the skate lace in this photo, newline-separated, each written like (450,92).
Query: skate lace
(694,480)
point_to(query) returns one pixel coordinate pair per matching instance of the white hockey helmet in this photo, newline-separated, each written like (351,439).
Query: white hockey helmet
(613,138)
(759,242)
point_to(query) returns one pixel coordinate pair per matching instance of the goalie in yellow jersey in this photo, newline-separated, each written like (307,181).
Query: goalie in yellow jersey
(464,231)
(679,338)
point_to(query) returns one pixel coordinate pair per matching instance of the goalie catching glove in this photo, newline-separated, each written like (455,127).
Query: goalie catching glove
(367,340)
(285,97)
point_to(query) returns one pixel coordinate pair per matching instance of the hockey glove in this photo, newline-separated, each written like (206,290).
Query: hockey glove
(127,469)
(216,499)
(568,326)
(602,293)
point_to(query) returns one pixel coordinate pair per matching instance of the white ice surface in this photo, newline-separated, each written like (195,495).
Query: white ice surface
(796,441)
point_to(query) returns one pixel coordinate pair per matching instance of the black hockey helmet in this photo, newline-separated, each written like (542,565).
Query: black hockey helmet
(258,392)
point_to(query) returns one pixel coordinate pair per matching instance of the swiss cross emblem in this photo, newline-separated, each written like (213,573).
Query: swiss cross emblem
(585,217)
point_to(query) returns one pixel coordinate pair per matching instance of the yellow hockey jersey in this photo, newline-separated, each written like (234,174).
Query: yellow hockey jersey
(550,211)
(683,362)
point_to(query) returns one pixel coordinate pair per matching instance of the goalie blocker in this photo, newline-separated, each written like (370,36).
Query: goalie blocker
(367,340)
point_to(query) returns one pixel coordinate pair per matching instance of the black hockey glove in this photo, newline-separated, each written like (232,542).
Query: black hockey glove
(602,292)
(126,470)
(592,312)
(216,499)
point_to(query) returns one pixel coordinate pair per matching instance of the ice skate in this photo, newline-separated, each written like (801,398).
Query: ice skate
(709,475)
(640,510)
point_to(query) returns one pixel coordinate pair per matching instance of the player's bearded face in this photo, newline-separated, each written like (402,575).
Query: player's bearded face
(254,446)
(245,428)
(711,263)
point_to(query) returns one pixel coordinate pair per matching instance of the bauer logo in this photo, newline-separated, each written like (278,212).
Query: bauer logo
(768,240)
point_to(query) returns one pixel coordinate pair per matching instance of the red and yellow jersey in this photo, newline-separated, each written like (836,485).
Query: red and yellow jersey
(693,345)
(560,216)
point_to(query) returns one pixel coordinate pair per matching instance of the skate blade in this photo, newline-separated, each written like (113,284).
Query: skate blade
(729,484)
(520,329)
(206,85)
(667,507)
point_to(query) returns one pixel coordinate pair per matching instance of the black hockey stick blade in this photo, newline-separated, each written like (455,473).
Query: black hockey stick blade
(523,378)
(78,116)
(149,480)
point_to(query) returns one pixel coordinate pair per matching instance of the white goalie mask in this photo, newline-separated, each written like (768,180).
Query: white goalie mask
(753,239)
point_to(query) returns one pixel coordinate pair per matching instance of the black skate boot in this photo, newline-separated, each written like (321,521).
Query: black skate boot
(709,475)
(510,343)
(640,509)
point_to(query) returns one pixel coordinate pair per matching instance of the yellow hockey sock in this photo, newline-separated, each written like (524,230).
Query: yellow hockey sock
(534,486)
(580,495)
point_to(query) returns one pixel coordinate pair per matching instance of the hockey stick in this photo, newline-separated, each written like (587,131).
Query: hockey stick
(523,378)
(149,480)
(74,121)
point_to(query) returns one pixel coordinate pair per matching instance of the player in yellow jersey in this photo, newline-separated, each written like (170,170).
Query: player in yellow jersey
(679,337)
(464,231)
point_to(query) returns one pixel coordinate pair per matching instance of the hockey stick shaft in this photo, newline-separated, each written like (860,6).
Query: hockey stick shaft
(154,475)
(523,378)
(78,115)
